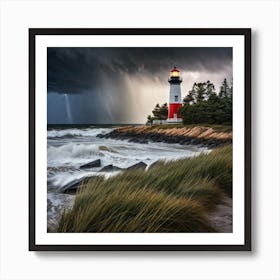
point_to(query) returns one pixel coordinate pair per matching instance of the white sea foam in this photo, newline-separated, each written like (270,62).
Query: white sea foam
(74,132)
(72,150)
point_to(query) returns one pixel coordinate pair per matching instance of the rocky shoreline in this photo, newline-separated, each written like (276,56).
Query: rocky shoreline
(201,136)
(197,135)
(74,185)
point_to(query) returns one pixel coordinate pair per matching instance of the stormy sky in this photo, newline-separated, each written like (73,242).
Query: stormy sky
(122,85)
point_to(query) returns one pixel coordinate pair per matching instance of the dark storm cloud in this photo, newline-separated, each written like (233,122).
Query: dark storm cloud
(78,70)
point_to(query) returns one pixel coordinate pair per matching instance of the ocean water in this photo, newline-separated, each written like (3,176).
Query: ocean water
(69,147)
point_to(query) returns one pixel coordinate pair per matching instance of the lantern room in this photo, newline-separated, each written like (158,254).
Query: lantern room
(174,73)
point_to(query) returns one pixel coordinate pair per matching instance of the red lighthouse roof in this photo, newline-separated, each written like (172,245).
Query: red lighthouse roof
(175,69)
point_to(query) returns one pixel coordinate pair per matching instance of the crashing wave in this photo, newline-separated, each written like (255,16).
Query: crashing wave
(75,132)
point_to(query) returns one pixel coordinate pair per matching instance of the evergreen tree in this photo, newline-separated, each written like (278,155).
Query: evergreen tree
(200,92)
(160,112)
(150,120)
(190,98)
(210,89)
(203,105)
(225,89)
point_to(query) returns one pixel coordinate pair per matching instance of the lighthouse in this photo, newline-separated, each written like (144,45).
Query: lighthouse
(175,100)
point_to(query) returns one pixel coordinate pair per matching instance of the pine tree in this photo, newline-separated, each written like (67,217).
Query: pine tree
(203,105)
(225,89)
(150,120)
(160,112)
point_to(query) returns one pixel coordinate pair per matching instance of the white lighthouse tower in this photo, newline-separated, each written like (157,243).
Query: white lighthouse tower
(175,100)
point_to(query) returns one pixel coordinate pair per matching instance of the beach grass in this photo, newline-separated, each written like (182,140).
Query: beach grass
(174,196)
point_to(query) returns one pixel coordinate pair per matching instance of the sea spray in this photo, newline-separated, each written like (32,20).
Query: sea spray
(76,132)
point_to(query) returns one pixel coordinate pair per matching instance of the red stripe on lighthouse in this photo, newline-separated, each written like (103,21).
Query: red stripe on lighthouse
(174,109)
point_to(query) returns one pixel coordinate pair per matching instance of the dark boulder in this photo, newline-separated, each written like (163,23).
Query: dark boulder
(109,168)
(133,139)
(72,187)
(139,165)
(195,141)
(211,146)
(138,140)
(143,141)
(100,135)
(95,163)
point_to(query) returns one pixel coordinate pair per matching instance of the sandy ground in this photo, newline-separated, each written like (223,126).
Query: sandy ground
(222,217)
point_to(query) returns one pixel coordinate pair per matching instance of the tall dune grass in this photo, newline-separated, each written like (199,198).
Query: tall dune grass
(169,197)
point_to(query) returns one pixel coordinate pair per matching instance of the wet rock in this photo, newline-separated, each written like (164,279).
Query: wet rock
(194,141)
(138,140)
(143,141)
(134,140)
(110,168)
(95,163)
(100,135)
(139,165)
(72,187)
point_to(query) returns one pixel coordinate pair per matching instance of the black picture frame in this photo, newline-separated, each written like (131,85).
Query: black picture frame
(246,32)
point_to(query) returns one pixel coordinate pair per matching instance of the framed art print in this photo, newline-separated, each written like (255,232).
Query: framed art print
(140,139)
